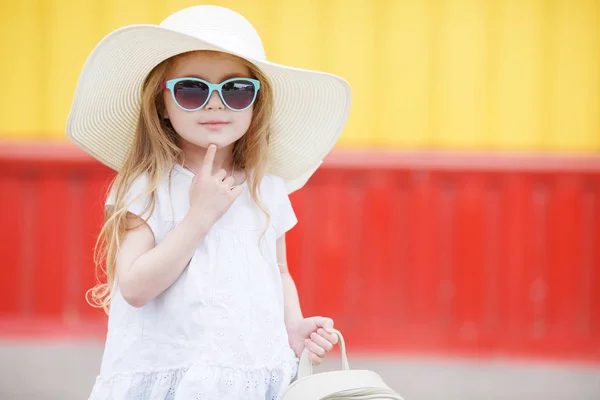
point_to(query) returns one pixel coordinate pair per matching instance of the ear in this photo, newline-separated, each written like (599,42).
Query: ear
(162,111)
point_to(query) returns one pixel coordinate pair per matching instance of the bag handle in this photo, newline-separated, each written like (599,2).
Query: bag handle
(305,367)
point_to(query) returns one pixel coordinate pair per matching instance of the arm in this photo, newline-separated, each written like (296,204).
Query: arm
(314,332)
(292,310)
(144,271)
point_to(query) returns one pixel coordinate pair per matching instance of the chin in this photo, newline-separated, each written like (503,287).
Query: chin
(203,138)
(221,139)
(220,142)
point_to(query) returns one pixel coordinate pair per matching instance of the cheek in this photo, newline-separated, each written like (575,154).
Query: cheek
(183,121)
(179,118)
(244,119)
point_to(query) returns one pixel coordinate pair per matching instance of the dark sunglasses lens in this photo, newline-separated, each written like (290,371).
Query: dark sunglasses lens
(238,94)
(190,94)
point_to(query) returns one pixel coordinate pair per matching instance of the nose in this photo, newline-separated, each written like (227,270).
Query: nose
(214,103)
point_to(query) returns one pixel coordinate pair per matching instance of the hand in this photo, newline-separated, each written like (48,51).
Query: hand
(211,195)
(315,334)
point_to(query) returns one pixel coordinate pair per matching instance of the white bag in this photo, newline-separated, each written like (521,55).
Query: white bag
(337,385)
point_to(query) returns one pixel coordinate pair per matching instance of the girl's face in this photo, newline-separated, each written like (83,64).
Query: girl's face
(214,123)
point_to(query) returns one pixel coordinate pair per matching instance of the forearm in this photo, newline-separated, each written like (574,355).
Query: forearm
(154,271)
(291,301)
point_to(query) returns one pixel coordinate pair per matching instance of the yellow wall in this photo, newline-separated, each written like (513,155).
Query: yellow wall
(451,74)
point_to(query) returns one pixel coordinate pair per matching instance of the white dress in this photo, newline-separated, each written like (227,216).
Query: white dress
(218,332)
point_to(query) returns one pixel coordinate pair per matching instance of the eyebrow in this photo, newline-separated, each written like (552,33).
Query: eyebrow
(229,76)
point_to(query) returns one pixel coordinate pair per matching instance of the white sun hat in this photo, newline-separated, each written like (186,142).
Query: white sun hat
(310,107)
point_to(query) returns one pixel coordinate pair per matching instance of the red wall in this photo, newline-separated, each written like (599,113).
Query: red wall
(422,252)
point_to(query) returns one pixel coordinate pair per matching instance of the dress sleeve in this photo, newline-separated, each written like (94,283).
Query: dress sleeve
(284,217)
(138,203)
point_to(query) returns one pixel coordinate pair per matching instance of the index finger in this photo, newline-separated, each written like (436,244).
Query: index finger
(209,158)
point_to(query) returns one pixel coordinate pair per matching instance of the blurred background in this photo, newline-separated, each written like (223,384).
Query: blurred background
(453,234)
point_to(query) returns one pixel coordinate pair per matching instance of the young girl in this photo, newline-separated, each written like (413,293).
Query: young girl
(208,139)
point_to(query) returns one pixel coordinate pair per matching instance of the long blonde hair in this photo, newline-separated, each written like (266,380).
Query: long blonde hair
(155,150)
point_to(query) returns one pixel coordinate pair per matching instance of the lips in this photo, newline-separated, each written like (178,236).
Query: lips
(214,125)
(215,122)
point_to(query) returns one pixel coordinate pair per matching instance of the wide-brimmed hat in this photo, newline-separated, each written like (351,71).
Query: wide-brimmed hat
(310,107)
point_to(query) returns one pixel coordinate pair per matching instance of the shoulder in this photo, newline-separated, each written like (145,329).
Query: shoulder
(152,197)
(273,184)
(140,188)
(272,191)
(155,196)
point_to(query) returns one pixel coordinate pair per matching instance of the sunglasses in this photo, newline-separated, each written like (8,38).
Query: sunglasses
(191,94)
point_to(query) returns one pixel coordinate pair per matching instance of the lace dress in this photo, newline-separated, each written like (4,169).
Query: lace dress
(218,332)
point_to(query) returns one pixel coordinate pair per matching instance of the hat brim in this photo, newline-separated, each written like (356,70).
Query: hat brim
(310,107)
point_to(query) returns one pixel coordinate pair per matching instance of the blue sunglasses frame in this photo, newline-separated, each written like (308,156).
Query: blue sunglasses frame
(212,87)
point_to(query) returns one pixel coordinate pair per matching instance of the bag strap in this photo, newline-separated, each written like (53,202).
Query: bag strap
(305,367)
